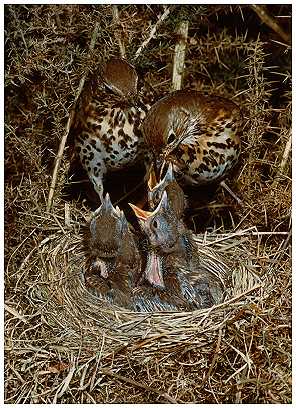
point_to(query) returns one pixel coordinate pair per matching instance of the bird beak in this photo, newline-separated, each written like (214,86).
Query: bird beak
(106,206)
(169,177)
(141,214)
(161,167)
(154,272)
(159,163)
(152,181)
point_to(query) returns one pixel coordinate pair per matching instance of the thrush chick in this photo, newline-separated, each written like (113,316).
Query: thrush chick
(113,262)
(107,120)
(199,134)
(173,262)
(169,184)
(146,298)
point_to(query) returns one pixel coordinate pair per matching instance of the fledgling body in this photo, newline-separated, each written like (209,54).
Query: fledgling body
(113,262)
(147,298)
(174,265)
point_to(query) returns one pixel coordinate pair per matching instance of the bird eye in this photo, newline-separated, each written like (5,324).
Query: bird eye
(171,138)
(154,224)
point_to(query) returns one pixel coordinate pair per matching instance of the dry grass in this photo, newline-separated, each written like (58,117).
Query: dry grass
(63,346)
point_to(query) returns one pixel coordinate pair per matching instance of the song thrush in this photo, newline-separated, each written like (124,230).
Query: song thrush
(108,116)
(198,134)
(113,262)
(173,261)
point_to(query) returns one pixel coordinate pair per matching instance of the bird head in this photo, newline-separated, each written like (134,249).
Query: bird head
(161,226)
(105,234)
(165,238)
(121,78)
(166,126)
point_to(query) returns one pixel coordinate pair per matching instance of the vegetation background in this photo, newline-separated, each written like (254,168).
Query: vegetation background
(241,52)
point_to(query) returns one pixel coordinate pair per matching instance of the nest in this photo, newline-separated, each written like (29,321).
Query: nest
(64,268)
(62,343)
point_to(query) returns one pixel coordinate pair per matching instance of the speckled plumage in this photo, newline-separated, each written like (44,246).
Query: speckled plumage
(199,134)
(107,121)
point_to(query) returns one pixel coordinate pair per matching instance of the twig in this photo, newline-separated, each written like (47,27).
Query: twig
(129,192)
(19,29)
(284,160)
(117,32)
(214,358)
(59,156)
(261,11)
(229,301)
(179,56)
(137,384)
(240,233)
(14,313)
(58,21)
(62,388)
(287,240)
(152,32)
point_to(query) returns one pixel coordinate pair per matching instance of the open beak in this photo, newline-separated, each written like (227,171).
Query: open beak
(159,166)
(141,214)
(152,181)
(154,272)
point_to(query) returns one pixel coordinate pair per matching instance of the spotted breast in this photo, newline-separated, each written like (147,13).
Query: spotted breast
(107,120)
(199,134)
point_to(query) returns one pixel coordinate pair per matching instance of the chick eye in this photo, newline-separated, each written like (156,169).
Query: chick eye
(154,224)
(171,138)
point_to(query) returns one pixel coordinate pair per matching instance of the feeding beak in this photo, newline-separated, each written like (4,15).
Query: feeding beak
(162,167)
(169,176)
(141,214)
(154,271)
(159,166)
(152,181)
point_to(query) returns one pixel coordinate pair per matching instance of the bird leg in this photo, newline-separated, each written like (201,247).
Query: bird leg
(98,186)
(228,189)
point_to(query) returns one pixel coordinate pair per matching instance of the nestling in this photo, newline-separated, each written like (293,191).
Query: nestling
(113,261)
(173,261)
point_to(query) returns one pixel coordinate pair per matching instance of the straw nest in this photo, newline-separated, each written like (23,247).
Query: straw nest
(65,345)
